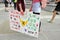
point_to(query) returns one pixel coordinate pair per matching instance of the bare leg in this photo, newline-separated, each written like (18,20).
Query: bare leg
(10,4)
(6,9)
(54,14)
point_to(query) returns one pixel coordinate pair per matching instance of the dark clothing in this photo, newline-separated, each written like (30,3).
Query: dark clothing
(58,7)
(15,6)
(36,13)
(22,4)
(6,3)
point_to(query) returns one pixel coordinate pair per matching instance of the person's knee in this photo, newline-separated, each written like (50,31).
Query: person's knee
(54,11)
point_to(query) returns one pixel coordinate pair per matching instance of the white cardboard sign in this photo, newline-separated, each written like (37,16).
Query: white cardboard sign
(27,24)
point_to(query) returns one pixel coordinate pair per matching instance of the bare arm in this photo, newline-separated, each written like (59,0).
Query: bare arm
(21,10)
(31,7)
(20,7)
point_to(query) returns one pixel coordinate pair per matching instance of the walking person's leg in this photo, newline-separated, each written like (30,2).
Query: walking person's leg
(14,6)
(55,11)
(10,4)
(54,14)
(6,6)
(39,26)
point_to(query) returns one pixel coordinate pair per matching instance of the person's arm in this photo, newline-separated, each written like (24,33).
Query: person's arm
(24,2)
(20,7)
(31,7)
(44,3)
(21,10)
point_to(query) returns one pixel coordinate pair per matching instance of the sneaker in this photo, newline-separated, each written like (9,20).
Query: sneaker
(50,22)
(6,10)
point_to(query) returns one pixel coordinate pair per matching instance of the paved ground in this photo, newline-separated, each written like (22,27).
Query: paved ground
(49,31)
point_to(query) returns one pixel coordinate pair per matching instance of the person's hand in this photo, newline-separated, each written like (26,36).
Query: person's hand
(30,9)
(22,13)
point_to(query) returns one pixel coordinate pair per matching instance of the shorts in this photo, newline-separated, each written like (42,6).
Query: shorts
(57,7)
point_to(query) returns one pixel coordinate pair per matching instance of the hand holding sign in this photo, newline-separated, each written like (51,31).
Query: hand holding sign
(22,13)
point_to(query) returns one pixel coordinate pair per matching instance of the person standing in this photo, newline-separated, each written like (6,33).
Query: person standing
(36,8)
(10,2)
(21,6)
(15,5)
(57,9)
(6,5)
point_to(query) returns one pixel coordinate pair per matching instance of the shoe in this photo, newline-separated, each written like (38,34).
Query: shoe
(6,11)
(50,22)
